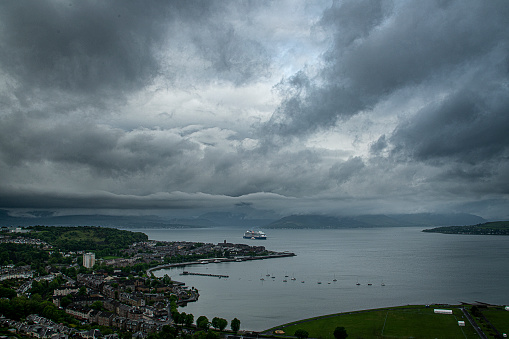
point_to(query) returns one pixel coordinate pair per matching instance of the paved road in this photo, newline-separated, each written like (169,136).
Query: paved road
(474,324)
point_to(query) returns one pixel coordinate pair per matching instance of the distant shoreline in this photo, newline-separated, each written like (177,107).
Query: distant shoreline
(489,228)
(207,261)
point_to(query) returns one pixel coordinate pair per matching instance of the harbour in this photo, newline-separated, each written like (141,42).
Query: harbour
(404,265)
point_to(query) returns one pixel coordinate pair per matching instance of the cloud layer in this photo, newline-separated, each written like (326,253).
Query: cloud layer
(315,107)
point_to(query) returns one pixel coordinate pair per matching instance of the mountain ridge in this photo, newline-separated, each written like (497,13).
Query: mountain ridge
(230,219)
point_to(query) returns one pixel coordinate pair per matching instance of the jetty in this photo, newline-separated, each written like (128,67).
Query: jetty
(205,274)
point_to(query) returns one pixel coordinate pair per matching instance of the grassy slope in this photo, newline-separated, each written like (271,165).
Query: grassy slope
(400,322)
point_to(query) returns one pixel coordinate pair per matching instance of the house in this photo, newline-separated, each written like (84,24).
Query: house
(105,318)
(78,311)
(139,335)
(92,334)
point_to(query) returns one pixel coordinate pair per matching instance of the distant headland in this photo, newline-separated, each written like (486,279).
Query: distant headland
(488,228)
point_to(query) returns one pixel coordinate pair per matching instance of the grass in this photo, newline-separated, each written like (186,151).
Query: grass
(498,317)
(396,322)
(108,257)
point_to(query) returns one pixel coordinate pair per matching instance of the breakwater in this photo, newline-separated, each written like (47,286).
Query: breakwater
(205,274)
(219,260)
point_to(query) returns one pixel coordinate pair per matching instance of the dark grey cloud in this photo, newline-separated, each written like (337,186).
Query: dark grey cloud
(84,47)
(114,48)
(342,172)
(381,47)
(467,126)
(377,106)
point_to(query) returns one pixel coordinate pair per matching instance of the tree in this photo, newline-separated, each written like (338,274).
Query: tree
(476,312)
(340,333)
(82,290)
(189,319)
(65,301)
(215,322)
(97,305)
(211,335)
(177,317)
(235,325)
(223,323)
(202,322)
(168,332)
(219,323)
(301,334)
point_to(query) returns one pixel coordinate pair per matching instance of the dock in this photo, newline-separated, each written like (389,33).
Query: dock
(205,274)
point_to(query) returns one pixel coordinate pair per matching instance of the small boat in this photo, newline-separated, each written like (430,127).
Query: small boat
(302,281)
(284,280)
(334,278)
(369,284)
(382,284)
(319,283)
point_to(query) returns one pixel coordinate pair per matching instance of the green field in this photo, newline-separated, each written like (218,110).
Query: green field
(397,322)
(498,317)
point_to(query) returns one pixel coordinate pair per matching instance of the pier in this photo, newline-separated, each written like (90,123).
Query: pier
(205,274)
(208,261)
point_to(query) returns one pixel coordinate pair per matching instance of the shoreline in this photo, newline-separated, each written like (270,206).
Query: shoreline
(219,260)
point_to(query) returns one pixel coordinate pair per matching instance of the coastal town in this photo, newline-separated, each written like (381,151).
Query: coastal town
(108,296)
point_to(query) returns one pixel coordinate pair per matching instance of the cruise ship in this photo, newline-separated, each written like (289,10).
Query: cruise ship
(259,235)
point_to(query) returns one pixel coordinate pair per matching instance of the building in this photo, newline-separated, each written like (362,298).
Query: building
(89,260)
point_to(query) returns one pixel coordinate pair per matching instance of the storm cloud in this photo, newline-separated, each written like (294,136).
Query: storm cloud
(296,107)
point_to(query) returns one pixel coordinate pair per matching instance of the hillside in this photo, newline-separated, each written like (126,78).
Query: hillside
(145,221)
(316,221)
(488,228)
(87,238)
(396,220)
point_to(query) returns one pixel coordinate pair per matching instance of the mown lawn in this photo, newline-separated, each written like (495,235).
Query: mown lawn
(398,322)
(498,317)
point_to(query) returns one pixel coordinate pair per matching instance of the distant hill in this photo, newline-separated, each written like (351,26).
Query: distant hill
(396,220)
(214,219)
(242,220)
(235,219)
(488,228)
(316,221)
(47,219)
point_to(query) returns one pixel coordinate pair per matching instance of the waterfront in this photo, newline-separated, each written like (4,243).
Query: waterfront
(416,268)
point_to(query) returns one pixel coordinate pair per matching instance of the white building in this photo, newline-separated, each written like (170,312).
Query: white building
(89,260)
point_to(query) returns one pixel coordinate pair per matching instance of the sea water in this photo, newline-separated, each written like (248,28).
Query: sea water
(393,266)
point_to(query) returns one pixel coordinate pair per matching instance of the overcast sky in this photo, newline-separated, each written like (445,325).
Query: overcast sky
(181,107)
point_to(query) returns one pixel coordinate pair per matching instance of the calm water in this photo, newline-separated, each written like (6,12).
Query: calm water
(416,268)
